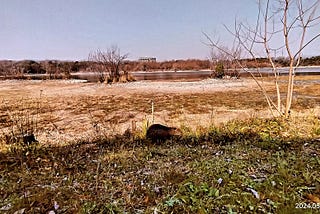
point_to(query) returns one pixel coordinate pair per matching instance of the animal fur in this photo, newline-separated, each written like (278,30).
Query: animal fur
(29,139)
(161,133)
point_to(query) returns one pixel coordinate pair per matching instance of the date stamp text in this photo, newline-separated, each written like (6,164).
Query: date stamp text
(307,205)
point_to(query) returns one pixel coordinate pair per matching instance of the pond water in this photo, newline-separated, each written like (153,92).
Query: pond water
(193,74)
(157,75)
(182,75)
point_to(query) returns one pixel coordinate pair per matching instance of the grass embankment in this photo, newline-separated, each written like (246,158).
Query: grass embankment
(257,165)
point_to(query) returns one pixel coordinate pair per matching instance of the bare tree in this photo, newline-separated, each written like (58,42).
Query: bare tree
(281,25)
(109,63)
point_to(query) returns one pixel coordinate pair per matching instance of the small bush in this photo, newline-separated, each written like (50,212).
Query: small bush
(219,71)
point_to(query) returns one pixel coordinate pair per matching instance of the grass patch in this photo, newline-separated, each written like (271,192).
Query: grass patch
(258,165)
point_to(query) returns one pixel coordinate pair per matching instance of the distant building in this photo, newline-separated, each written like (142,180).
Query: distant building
(147,59)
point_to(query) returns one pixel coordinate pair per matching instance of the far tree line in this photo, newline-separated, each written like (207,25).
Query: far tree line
(55,67)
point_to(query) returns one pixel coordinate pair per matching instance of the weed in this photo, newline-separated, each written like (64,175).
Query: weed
(144,128)
(21,125)
(316,126)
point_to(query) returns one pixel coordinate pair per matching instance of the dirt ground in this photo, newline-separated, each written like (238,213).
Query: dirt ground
(64,111)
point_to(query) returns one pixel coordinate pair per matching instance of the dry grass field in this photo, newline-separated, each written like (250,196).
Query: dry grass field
(65,111)
(92,156)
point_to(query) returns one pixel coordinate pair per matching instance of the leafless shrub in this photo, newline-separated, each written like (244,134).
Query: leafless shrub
(109,64)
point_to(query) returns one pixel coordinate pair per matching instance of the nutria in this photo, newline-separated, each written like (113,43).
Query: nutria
(29,139)
(160,133)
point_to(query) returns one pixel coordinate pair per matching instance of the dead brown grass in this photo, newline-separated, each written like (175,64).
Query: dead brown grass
(66,111)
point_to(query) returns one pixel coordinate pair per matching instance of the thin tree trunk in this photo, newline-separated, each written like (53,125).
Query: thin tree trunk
(290,89)
(286,30)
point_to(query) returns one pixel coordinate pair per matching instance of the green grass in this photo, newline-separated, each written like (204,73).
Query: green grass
(211,170)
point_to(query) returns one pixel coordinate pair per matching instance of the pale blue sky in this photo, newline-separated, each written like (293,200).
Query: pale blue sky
(70,29)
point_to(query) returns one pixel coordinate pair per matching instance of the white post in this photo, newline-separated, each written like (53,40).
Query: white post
(152,111)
